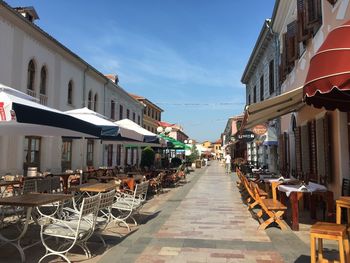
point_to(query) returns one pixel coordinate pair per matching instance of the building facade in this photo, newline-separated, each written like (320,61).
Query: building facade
(260,77)
(313,143)
(151,114)
(39,65)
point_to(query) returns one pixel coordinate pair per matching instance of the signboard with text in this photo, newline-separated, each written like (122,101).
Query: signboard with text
(260,129)
(246,136)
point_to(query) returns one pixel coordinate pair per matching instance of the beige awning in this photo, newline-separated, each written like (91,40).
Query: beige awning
(275,107)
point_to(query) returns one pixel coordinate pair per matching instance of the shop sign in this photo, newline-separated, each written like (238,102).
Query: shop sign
(2,112)
(260,129)
(246,136)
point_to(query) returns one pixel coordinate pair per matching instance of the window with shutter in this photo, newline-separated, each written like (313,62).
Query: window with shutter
(271,77)
(305,149)
(283,71)
(298,150)
(262,88)
(254,94)
(321,171)
(313,151)
(313,15)
(283,154)
(327,124)
(281,151)
(291,43)
(303,31)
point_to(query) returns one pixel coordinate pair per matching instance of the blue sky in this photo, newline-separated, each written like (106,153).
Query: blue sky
(187,56)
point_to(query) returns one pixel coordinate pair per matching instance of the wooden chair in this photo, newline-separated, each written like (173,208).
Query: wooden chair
(274,209)
(345,189)
(251,199)
(330,231)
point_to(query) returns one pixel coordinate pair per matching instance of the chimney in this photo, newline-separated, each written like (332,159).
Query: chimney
(113,77)
(28,12)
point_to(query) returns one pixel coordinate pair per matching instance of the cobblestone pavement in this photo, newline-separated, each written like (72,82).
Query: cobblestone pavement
(206,221)
(203,220)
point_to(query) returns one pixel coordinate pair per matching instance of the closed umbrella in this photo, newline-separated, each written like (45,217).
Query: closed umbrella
(21,114)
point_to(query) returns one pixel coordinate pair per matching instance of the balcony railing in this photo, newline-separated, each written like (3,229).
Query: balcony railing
(31,93)
(43,99)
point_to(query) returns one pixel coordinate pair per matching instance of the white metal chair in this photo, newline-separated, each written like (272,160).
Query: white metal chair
(43,185)
(29,186)
(75,230)
(126,205)
(104,216)
(49,185)
(56,184)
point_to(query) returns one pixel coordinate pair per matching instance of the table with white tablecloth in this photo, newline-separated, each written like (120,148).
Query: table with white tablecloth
(296,191)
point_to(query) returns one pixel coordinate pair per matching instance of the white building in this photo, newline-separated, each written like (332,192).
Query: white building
(35,63)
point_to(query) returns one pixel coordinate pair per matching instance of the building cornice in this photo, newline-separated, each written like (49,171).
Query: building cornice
(260,46)
(280,12)
(43,37)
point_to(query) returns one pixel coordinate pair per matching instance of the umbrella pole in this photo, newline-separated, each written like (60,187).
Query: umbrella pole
(82,159)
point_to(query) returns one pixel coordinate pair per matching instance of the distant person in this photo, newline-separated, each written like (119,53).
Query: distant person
(228,163)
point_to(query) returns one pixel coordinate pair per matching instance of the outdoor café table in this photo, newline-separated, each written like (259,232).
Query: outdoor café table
(65,177)
(343,202)
(275,182)
(295,193)
(94,187)
(4,185)
(89,189)
(30,201)
(107,178)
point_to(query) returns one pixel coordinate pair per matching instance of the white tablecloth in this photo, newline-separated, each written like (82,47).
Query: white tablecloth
(312,187)
(271,180)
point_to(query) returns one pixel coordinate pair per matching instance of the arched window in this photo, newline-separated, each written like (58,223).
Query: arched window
(70,93)
(90,100)
(95,102)
(31,75)
(293,123)
(112,110)
(43,75)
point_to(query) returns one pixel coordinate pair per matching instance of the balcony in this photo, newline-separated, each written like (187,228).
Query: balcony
(43,99)
(31,93)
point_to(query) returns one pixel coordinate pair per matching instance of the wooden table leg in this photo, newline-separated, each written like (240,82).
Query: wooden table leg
(295,210)
(330,204)
(65,184)
(313,203)
(338,214)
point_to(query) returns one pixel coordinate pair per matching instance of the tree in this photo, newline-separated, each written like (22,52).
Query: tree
(147,157)
(194,155)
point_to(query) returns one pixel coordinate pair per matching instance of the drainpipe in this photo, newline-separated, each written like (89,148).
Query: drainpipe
(84,85)
(277,49)
(275,37)
(104,97)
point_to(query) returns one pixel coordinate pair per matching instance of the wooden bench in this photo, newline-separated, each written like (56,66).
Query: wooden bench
(274,209)
(251,199)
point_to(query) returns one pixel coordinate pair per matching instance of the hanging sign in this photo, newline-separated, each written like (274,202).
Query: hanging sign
(2,112)
(260,129)
(246,136)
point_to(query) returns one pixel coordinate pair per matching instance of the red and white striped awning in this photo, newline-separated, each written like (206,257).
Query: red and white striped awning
(328,80)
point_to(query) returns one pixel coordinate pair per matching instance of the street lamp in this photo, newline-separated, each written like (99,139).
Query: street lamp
(165,131)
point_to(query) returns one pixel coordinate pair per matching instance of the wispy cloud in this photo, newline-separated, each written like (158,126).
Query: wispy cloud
(142,59)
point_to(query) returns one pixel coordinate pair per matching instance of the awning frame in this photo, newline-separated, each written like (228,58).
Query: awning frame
(273,108)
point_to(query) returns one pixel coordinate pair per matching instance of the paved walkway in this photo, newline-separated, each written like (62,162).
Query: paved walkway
(206,221)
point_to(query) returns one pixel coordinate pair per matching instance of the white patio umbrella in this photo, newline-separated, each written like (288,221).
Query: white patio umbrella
(147,135)
(110,130)
(21,114)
